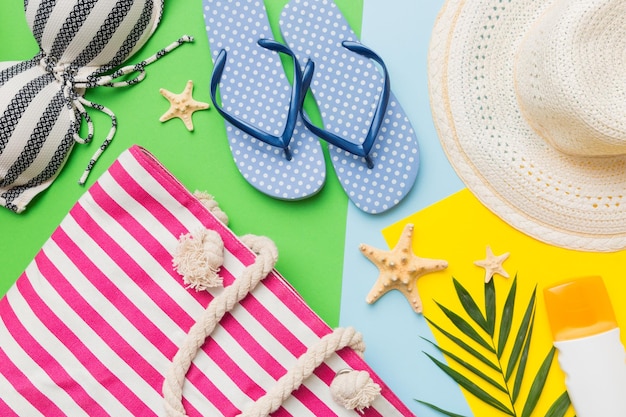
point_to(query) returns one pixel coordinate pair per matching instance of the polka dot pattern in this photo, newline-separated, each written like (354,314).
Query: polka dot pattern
(254,88)
(347,87)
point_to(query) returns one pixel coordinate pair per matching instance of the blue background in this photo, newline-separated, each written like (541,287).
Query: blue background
(399,30)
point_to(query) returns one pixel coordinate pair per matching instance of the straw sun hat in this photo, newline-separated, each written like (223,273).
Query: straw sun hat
(529,100)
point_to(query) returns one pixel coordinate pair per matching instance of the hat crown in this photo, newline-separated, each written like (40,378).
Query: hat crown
(570,80)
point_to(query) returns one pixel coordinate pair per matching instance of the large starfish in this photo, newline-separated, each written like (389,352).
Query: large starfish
(493,264)
(182,105)
(400,269)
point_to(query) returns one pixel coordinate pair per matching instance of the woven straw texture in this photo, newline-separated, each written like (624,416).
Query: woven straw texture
(529,104)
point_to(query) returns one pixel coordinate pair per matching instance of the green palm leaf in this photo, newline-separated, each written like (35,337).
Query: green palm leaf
(470,306)
(470,367)
(521,335)
(560,406)
(518,359)
(442,411)
(490,307)
(465,346)
(538,384)
(465,327)
(507,318)
(471,387)
(522,365)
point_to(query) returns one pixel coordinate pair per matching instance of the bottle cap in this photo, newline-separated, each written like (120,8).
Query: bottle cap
(579,308)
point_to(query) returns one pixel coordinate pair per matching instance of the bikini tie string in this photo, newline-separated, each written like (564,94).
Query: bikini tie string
(74,87)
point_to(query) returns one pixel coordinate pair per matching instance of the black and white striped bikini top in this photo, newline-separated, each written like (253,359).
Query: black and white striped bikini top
(42,106)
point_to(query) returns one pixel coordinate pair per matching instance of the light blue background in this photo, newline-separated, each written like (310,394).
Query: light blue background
(399,30)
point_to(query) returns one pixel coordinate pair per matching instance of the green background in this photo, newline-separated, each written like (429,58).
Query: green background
(309,234)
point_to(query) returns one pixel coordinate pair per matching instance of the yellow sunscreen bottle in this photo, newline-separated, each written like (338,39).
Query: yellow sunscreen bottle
(590,352)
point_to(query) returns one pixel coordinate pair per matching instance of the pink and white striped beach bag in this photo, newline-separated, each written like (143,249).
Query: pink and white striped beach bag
(102,322)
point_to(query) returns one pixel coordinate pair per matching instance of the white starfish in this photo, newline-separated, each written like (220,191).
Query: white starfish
(493,264)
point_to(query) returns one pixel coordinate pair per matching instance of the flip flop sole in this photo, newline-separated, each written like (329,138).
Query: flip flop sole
(255,89)
(346,87)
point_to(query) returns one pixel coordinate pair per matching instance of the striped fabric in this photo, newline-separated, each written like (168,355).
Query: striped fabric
(91,326)
(79,40)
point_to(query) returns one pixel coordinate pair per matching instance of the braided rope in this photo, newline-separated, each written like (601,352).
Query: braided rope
(267,255)
(355,391)
(304,367)
(210,204)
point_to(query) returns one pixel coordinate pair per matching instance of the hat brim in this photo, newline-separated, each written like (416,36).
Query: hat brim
(572,202)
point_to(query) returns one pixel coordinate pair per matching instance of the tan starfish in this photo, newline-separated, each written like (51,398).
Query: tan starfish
(182,105)
(493,264)
(400,269)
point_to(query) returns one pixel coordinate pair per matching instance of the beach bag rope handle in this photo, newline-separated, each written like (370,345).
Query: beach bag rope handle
(198,258)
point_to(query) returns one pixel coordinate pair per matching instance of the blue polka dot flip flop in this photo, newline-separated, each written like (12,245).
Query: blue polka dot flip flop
(259,104)
(373,148)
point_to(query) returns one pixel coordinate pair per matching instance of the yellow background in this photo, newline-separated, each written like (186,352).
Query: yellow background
(458,229)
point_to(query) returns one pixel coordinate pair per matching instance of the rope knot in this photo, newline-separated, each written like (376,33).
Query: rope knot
(198,258)
(73,89)
(49,64)
(64,73)
(355,390)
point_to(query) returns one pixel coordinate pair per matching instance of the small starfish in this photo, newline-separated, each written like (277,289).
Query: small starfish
(182,105)
(400,269)
(493,264)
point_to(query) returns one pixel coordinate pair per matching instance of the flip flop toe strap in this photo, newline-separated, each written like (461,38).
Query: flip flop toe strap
(284,139)
(361,149)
